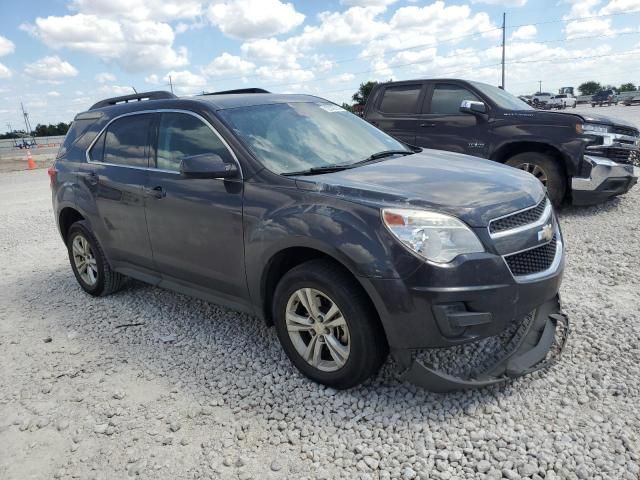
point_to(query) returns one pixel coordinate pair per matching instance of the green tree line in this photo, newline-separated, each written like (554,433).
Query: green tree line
(591,87)
(50,130)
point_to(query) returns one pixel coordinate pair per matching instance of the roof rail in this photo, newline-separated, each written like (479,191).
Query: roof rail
(157,95)
(239,90)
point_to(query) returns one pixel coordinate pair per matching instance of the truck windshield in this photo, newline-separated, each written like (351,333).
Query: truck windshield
(296,136)
(501,98)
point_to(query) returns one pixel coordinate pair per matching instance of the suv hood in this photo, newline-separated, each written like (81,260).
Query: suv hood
(472,189)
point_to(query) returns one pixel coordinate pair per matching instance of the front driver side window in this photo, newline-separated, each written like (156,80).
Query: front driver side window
(447,98)
(181,135)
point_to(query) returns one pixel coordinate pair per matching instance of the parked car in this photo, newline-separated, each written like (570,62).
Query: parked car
(290,208)
(604,97)
(635,100)
(562,101)
(585,158)
(540,98)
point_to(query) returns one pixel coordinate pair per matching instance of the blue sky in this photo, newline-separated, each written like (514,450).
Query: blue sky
(59,56)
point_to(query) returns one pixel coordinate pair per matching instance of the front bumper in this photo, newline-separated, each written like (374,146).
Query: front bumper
(606,179)
(536,344)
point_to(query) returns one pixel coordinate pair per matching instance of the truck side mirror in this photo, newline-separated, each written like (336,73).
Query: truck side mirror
(207,165)
(473,107)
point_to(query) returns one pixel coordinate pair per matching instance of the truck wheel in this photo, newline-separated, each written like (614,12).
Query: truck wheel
(89,264)
(593,105)
(545,169)
(326,325)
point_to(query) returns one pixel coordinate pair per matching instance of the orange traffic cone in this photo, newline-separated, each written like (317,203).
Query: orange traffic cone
(30,163)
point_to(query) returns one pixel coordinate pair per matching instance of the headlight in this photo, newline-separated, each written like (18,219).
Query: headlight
(595,128)
(434,236)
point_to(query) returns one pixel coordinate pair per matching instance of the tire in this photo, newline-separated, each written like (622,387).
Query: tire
(593,105)
(546,169)
(363,340)
(106,280)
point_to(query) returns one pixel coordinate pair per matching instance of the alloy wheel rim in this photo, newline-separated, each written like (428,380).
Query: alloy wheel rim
(84,260)
(534,170)
(318,330)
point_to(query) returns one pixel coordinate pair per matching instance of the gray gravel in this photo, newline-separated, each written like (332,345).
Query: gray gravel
(82,398)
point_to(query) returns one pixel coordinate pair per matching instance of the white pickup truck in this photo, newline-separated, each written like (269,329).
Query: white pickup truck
(563,100)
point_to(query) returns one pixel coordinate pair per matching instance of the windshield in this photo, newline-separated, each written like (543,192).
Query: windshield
(291,137)
(501,98)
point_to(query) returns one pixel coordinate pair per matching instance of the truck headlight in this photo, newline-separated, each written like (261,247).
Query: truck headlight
(595,128)
(437,237)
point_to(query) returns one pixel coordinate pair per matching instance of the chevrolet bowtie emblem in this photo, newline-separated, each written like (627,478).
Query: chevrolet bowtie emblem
(546,233)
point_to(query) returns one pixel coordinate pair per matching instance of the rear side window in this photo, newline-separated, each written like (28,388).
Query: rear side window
(181,135)
(97,151)
(447,98)
(400,99)
(125,142)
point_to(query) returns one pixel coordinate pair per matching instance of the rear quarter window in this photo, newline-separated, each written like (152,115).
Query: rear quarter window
(400,99)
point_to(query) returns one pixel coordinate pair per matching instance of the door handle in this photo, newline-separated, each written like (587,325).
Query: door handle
(90,177)
(155,192)
(427,125)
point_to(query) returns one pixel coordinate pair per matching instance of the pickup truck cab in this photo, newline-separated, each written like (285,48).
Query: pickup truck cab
(582,158)
(294,210)
(604,97)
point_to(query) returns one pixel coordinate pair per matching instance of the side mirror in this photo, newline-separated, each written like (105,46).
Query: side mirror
(473,107)
(207,165)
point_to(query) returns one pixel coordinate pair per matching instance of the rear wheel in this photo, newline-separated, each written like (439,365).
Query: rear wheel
(88,262)
(545,169)
(327,326)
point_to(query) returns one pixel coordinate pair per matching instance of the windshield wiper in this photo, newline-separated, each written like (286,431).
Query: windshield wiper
(337,168)
(317,170)
(383,154)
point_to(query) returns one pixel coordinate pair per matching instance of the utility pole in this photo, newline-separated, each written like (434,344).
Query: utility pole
(540,86)
(504,21)
(27,124)
(171,83)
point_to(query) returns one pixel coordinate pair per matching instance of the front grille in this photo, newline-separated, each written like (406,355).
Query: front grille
(617,154)
(631,132)
(531,261)
(518,219)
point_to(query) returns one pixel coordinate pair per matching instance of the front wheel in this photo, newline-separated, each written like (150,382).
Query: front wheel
(545,169)
(89,263)
(327,326)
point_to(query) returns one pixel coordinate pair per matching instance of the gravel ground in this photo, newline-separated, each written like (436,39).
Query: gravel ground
(192,390)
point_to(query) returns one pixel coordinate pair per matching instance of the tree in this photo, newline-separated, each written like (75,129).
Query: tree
(360,97)
(347,107)
(589,88)
(627,87)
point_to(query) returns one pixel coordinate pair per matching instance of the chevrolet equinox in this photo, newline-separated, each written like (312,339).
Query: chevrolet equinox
(351,243)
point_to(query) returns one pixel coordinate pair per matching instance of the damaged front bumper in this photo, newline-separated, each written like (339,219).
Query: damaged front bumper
(606,179)
(536,343)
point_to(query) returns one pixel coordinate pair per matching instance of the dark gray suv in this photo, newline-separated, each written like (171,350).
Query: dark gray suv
(351,243)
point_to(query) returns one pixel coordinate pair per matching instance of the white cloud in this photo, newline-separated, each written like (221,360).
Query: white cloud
(286,75)
(160,10)
(504,3)
(589,27)
(249,19)
(342,78)
(134,45)
(116,90)
(53,93)
(367,3)
(525,32)
(185,82)
(227,64)
(6,46)
(620,6)
(5,72)
(153,79)
(105,77)
(50,69)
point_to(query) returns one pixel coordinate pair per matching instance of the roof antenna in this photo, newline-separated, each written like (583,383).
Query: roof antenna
(134,89)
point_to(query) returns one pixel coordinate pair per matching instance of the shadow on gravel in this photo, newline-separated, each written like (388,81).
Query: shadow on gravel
(210,352)
(589,211)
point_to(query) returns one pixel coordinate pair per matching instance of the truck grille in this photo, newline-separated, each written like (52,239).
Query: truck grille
(534,260)
(617,154)
(631,132)
(518,219)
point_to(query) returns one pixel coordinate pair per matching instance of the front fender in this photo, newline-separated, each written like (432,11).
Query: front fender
(350,233)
